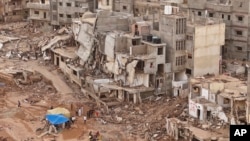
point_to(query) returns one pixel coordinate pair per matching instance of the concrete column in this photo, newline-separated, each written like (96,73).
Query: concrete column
(139,98)
(135,98)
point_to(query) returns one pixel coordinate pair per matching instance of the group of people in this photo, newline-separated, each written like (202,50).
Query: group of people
(96,137)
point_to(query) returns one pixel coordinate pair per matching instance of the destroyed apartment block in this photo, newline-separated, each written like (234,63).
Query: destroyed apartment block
(133,64)
(61,50)
(221,97)
(182,130)
(13,10)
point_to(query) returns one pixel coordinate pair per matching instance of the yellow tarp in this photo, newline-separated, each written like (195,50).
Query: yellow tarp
(59,110)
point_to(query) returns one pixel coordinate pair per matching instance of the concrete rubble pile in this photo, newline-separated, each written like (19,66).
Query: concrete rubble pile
(15,43)
(148,124)
(26,80)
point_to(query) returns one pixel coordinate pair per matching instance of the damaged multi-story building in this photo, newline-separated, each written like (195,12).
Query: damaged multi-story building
(13,10)
(222,97)
(204,40)
(52,12)
(235,15)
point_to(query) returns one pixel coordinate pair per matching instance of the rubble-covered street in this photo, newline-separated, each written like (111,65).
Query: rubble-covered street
(40,85)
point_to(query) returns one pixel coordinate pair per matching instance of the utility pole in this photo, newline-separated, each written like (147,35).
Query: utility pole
(248,98)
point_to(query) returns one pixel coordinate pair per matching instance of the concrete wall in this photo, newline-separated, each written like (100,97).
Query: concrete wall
(123,6)
(207,42)
(229,13)
(42,15)
(105,4)
(108,21)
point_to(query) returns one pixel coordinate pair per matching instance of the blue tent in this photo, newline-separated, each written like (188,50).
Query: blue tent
(56,118)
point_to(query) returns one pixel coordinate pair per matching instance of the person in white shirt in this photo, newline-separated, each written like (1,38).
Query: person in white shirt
(84,119)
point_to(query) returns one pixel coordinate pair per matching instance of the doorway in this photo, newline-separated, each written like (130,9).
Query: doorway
(178,92)
(57,61)
(44,15)
(209,115)
(198,113)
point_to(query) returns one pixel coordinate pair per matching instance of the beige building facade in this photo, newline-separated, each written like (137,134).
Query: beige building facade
(204,42)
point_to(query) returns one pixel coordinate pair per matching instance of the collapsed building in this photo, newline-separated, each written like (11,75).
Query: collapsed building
(222,97)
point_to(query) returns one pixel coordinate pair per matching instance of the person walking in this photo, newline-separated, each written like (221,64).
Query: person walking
(98,136)
(79,112)
(18,104)
(84,119)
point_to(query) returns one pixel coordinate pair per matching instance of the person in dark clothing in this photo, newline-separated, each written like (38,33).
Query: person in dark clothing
(91,137)
(91,112)
(88,114)
(18,104)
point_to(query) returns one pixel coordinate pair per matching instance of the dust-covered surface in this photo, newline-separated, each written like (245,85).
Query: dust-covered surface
(38,85)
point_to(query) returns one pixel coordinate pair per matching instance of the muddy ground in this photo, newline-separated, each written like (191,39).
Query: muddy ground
(127,122)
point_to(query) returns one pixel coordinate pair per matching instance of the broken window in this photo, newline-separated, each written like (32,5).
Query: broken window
(69,16)
(211,14)
(222,16)
(124,7)
(160,68)
(62,59)
(107,2)
(190,56)
(14,13)
(61,15)
(43,1)
(36,12)
(151,65)
(68,4)
(228,17)
(75,72)
(240,18)
(60,4)
(199,13)
(239,48)
(189,37)
(226,101)
(239,32)
(135,42)
(140,66)
(44,15)
(160,51)
(188,71)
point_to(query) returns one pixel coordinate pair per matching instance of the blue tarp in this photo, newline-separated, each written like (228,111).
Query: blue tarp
(56,118)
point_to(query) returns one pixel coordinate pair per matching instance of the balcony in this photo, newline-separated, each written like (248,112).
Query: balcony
(219,7)
(38,6)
